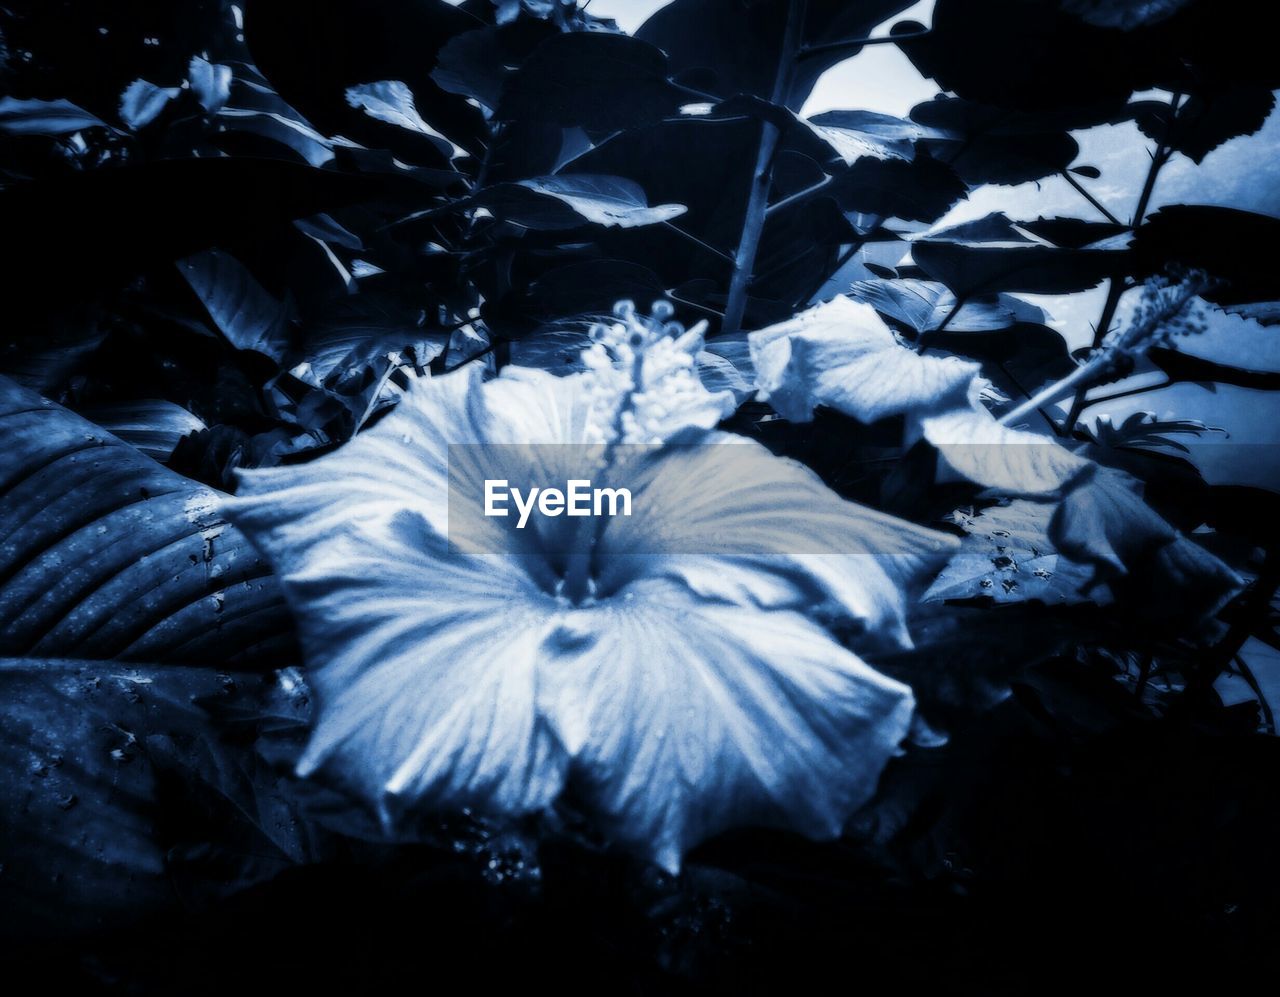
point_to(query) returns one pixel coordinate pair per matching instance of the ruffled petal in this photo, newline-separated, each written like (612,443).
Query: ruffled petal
(736,523)
(685,718)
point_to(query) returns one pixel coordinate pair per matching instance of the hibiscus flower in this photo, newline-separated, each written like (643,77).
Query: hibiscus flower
(677,671)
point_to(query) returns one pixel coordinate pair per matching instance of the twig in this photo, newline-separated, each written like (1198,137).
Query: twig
(698,242)
(1066,175)
(807,51)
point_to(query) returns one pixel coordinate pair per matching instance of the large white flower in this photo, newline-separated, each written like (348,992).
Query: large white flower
(675,669)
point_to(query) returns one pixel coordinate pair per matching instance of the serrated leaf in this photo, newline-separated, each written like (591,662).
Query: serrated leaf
(142,102)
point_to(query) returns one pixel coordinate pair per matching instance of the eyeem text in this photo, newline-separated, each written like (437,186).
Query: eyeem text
(577,498)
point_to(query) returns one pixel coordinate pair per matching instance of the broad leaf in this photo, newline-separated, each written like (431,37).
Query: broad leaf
(152,425)
(597,80)
(107,554)
(391,101)
(570,199)
(994,255)
(99,766)
(247,315)
(1232,245)
(1008,557)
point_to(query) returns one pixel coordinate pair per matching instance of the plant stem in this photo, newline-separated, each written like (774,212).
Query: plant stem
(1117,288)
(762,178)
(1127,393)
(858,43)
(1080,189)
(697,242)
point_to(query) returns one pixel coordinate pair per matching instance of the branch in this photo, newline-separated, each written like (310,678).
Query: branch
(1066,175)
(808,51)
(758,198)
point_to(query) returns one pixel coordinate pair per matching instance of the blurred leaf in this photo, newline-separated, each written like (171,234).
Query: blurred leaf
(107,554)
(210,82)
(1125,14)
(922,190)
(247,315)
(142,102)
(44,117)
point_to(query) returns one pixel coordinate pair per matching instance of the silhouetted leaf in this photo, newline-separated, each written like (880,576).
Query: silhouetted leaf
(922,190)
(1231,245)
(597,80)
(986,144)
(994,255)
(1207,119)
(1185,367)
(724,47)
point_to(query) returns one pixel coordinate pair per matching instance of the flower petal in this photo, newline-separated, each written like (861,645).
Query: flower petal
(422,699)
(686,717)
(734,522)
